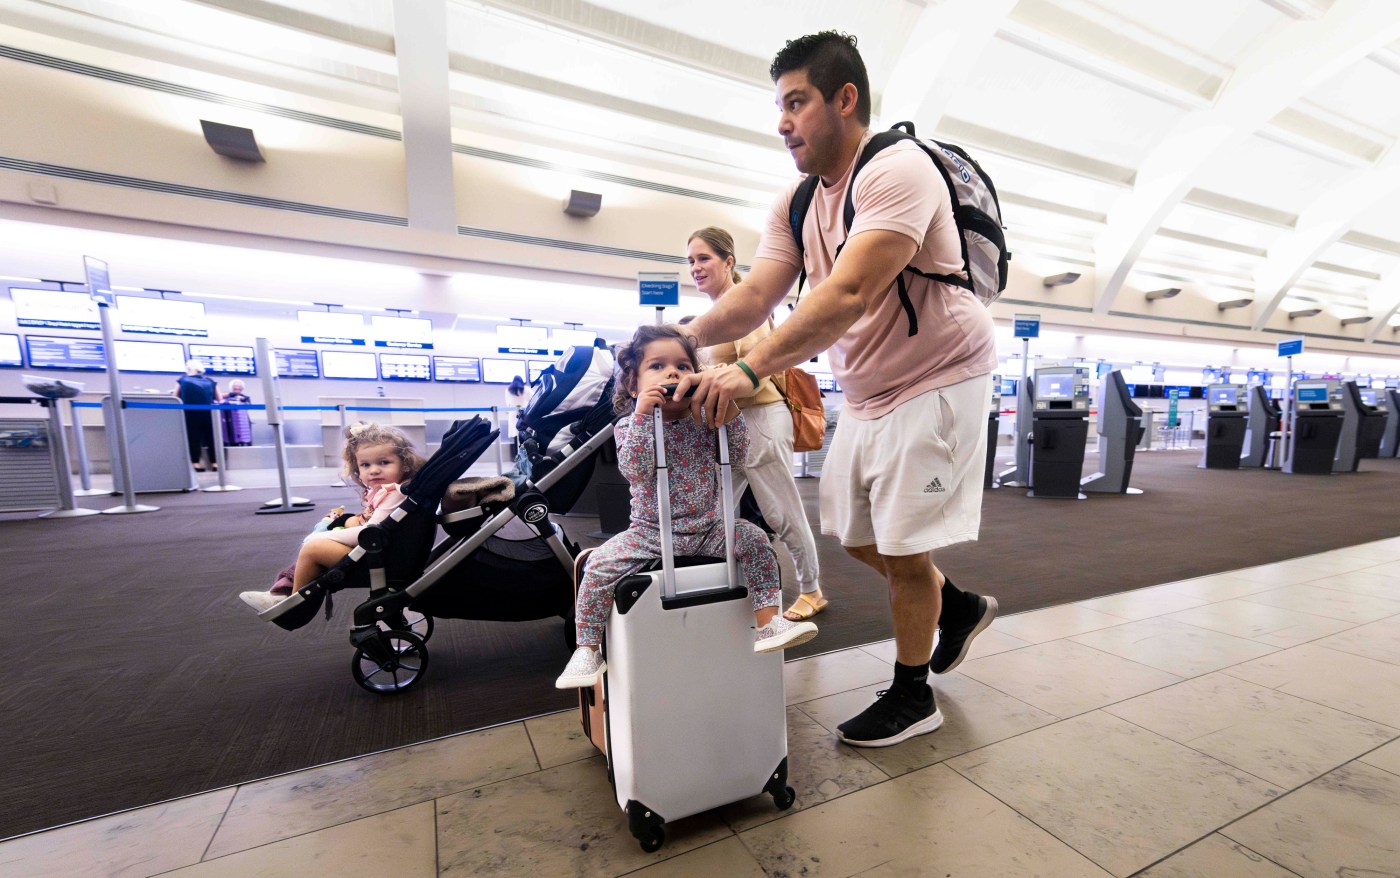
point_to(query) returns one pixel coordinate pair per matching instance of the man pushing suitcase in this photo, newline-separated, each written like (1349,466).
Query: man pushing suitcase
(914,356)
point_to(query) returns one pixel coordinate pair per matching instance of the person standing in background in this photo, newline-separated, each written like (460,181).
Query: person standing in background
(515,399)
(197,389)
(768,466)
(238,427)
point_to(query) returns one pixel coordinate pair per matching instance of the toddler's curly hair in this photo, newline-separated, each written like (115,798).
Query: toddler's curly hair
(364,435)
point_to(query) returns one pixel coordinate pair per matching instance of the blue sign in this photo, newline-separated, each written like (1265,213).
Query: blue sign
(1291,347)
(1026,325)
(659,289)
(99,282)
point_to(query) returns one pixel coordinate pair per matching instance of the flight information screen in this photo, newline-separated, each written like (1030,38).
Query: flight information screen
(297,363)
(1312,392)
(456,368)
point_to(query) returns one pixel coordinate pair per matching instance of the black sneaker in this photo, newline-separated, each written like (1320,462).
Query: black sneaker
(895,716)
(953,644)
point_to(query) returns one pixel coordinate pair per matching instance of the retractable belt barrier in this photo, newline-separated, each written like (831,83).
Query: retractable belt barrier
(220,453)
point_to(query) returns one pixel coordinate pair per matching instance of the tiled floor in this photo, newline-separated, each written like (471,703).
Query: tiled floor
(1244,724)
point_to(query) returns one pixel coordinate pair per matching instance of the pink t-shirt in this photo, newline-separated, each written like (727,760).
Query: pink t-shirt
(877,362)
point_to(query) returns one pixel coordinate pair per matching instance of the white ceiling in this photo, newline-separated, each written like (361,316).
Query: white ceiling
(1065,104)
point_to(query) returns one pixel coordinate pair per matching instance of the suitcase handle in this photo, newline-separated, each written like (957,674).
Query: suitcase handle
(663,503)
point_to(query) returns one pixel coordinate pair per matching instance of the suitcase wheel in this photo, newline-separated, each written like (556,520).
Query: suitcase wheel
(785,799)
(652,840)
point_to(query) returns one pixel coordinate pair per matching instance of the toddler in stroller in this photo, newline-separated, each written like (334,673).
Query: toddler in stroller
(502,557)
(380,460)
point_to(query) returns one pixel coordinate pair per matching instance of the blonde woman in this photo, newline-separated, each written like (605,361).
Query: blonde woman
(768,467)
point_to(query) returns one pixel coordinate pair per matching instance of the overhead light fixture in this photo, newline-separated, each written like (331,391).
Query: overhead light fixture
(1352,321)
(232,141)
(1167,293)
(1234,303)
(1059,280)
(1304,312)
(583,204)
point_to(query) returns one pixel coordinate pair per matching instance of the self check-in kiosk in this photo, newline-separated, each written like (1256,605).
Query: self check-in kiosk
(1390,437)
(1315,426)
(1226,422)
(1059,430)
(1120,428)
(1264,420)
(1363,423)
(992,418)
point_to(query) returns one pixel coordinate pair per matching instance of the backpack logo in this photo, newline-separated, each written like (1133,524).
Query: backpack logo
(934,487)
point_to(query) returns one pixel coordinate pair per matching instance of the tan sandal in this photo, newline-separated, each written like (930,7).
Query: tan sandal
(804,608)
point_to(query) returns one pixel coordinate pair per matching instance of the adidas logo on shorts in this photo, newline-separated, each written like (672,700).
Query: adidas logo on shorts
(934,487)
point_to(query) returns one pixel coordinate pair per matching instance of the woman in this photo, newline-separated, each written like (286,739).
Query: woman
(195,389)
(238,427)
(515,400)
(768,467)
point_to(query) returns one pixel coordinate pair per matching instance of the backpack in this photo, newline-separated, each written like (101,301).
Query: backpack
(804,400)
(976,211)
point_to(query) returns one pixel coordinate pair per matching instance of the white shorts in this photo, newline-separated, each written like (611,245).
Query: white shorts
(910,481)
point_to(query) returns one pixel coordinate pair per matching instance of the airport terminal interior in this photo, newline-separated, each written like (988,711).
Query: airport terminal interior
(390,210)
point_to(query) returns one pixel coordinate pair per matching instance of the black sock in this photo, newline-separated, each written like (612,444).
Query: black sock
(956,609)
(912,678)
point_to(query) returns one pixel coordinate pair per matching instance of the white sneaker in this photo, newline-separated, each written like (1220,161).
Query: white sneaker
(782,633)
(262,600)
(584,669)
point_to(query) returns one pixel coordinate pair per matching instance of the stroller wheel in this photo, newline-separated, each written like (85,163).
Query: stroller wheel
(412,620)
(392,662)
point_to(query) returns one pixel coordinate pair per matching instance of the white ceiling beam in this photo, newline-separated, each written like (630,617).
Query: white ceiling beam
(420,42)
(1319,227)
(940,55)
(1277,71)
(1387,295)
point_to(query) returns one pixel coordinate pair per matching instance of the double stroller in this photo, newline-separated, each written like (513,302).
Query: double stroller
(499,556)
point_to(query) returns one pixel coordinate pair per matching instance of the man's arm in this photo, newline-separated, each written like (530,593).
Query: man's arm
(867,266)
(740,310)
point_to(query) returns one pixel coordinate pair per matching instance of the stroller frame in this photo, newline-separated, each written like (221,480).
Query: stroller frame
(389,636)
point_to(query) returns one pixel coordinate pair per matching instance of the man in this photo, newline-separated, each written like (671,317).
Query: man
(903,475)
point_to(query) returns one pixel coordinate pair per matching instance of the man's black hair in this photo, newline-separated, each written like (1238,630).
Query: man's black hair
(831,61)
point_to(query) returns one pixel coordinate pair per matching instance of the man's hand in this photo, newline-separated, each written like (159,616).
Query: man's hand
(716,391)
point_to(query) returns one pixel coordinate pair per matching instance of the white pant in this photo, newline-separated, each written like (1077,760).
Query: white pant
(768,468)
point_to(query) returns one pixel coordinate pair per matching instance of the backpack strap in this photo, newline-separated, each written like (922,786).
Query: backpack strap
(898,132)
(797,216)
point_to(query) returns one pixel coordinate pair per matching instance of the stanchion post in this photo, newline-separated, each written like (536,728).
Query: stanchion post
(80,450)
(500,460)
(100,288)
(58,447)
(340,477)
(267,365)
(1285,428)
(220,455)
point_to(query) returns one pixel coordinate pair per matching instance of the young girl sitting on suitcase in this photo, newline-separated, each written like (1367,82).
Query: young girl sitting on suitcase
(656,357)
(379,459)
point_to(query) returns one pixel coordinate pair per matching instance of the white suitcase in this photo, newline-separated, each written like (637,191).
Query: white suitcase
(695,719)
